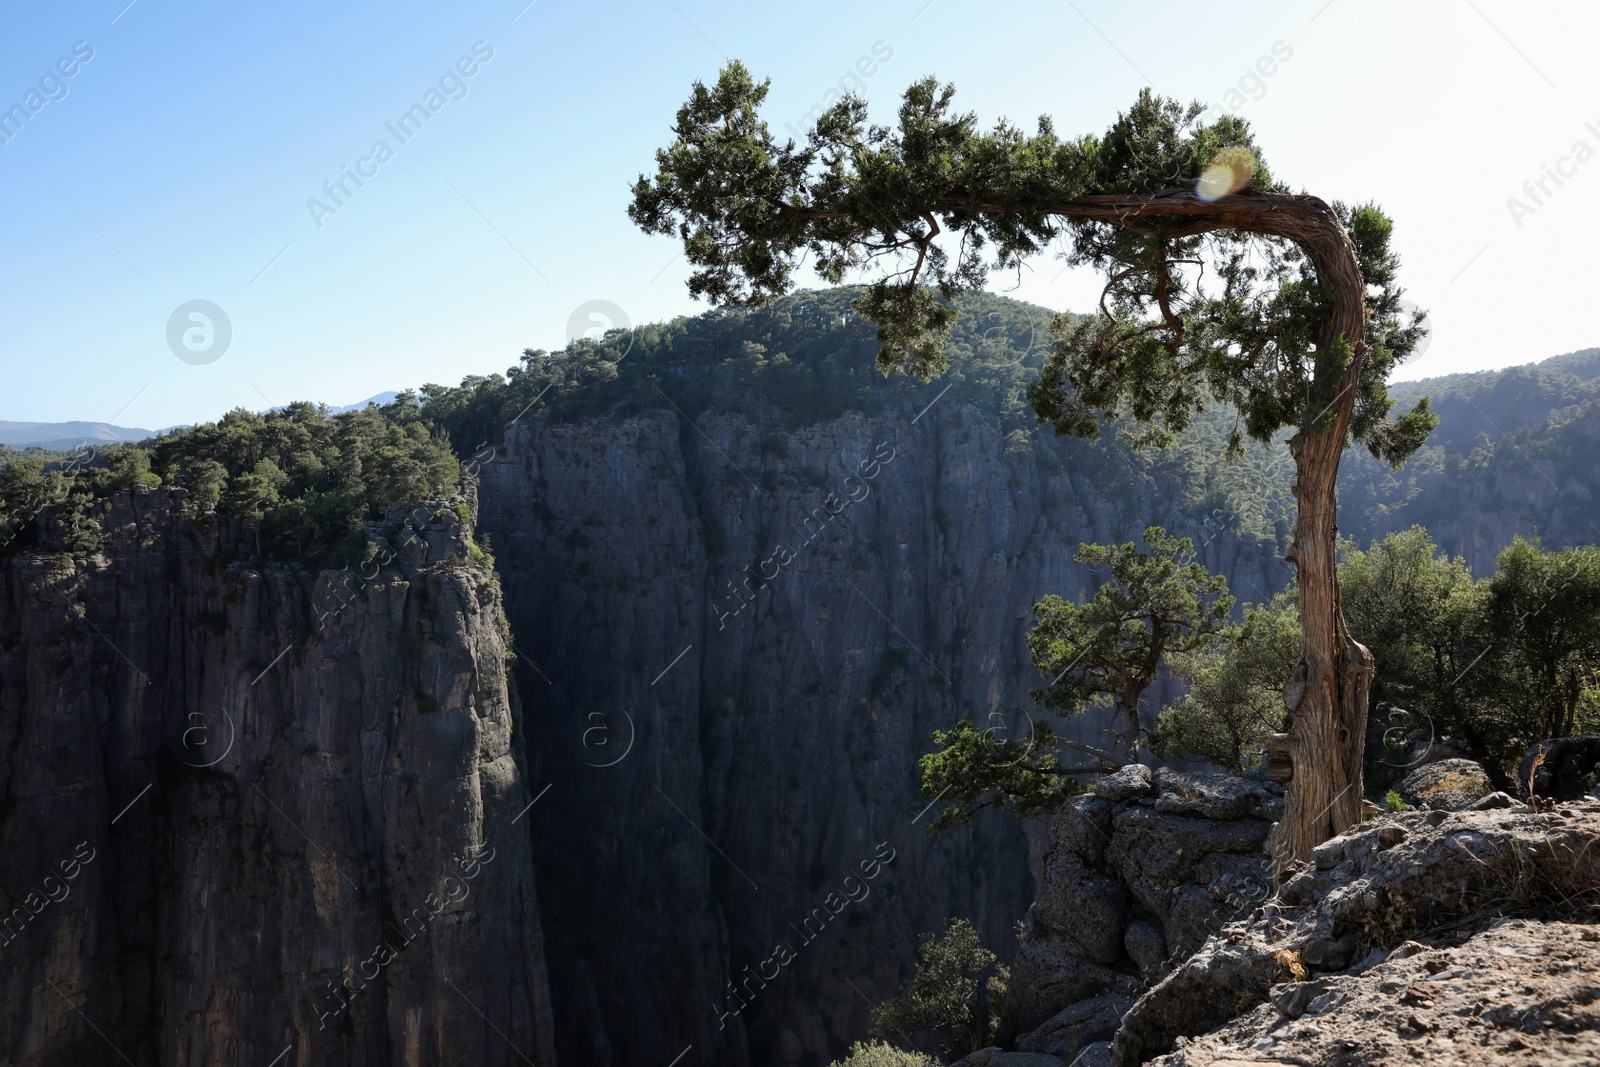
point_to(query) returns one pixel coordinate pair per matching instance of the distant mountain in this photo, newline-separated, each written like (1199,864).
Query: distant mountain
(1494,402)
(1513,454)
(64,435)
(381,399)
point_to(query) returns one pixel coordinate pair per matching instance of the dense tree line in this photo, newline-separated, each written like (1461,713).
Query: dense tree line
(1491,664)
(299,482)
(1496,663)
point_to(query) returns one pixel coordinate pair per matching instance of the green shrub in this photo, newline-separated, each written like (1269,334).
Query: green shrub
(878,1054)
(945,994)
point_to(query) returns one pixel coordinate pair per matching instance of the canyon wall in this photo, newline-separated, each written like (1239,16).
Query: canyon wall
(261,816)
(735,642)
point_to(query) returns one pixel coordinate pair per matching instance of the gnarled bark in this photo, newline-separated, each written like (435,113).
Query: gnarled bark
(1320,758)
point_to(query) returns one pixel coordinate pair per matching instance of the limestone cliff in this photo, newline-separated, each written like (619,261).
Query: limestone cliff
(261,816)
(737,642)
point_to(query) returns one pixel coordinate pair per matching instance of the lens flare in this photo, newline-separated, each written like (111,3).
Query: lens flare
(1230,171)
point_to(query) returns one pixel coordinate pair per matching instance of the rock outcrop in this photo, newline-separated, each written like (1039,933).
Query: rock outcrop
(1467,936)
(1518,993)
(1437,878)
(261,815)
(1139,874)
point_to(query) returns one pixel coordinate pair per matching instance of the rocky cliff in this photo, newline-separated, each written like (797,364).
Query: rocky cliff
(1139,874)
(1461,935)
(738,641)
(260,815)
(1477,896)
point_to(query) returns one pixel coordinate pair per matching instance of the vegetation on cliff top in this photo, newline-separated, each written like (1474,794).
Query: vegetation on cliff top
(305,480)
(1492,664)
(335,471)
(299,482)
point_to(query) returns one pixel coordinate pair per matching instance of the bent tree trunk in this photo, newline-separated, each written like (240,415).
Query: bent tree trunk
(1321,757)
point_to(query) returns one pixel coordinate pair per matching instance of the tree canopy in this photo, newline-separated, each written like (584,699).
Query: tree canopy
(1205,301)
(945,995)
(1235,698)
(1220,286)
(298,482)
(1109,651)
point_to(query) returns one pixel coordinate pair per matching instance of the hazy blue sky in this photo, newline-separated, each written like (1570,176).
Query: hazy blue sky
(177,162)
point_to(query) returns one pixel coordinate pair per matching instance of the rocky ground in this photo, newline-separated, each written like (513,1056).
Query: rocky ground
(1445,937)
(1520,992)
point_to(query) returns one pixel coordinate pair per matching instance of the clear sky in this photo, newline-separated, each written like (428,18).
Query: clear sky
(175,164)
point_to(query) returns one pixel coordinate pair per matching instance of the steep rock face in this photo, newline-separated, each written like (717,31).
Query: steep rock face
(219,807)
(776,622)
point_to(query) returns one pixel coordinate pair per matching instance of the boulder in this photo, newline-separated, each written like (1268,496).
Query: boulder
(1212,795)
(1146,946)
(1445,785)
(1088,907)
(1157,850)
(1134,780)
(1083,827)
(1051,972)
(1087,1021)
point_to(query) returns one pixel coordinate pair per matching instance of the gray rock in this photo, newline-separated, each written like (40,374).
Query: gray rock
(1085,1022)
(1445,785)
(1491,802)
(1149,846)
(1146,945)
(1293,998)
(1329,953)
(1083,827)
(1212,795)
(1134,780)
(1436,875)
(1086,906)
(1193,916)
(1095,1055)
(1189,871)
(1518,993)
(1390,836)
(1050,973)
